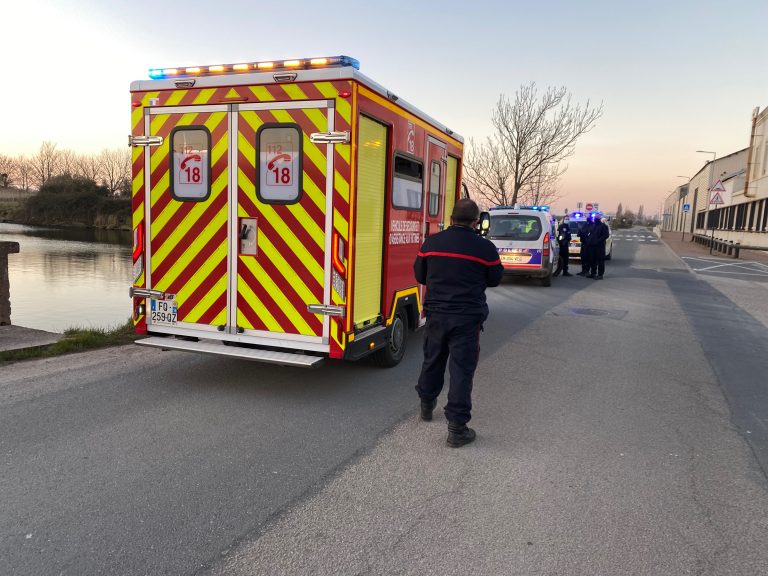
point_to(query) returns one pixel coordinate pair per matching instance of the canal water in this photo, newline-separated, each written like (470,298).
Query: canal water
(68,278)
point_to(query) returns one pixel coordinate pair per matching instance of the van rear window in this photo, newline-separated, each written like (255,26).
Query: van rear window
(515,227)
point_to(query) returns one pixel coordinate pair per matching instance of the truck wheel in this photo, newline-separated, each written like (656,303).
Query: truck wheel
(394,350)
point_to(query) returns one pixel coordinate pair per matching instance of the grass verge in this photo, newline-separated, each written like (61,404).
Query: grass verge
(76,340)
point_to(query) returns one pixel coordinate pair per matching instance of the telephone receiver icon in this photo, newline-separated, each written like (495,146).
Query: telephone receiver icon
(192,158)
(278,158)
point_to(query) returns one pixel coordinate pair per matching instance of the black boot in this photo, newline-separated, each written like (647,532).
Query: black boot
(427,406)
(459,434)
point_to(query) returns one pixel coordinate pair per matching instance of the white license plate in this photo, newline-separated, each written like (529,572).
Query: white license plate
(514,258)
(163,312)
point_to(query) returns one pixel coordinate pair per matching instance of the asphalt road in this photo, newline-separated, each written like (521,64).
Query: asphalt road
(622,429)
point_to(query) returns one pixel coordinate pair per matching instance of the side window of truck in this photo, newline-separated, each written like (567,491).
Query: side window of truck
(190,164)
(407,183)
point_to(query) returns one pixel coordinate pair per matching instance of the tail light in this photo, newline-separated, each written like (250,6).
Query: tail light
(339,259)
(546,244)
(138,252)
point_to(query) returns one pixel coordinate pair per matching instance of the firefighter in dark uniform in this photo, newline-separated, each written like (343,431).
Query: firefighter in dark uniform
(584,232)
(456,265)
(596,247)
(564,241)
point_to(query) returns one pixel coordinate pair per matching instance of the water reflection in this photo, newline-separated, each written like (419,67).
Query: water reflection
(68,277)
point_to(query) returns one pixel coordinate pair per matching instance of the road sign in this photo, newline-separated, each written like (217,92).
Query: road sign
(686,207)
(589,206)
(718,187)
(717,199)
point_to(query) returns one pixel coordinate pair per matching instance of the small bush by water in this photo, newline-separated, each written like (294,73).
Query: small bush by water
(76,340)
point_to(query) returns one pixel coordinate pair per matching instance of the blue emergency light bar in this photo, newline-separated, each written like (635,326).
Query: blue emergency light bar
(264,66)
(518,207)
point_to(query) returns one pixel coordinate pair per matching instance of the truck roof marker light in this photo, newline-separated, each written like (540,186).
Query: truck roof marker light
(292,64)
(345,93)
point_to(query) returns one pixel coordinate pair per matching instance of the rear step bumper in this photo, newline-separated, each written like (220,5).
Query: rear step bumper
(211,347)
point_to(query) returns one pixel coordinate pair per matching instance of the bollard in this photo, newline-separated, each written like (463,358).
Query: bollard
(736,248)
(5,285)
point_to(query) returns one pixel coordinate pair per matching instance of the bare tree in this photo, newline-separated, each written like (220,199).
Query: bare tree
(45,163)
(487,172)
(541,188)
(25,173)
(88,166)
(115,168)
(8,169)
(66,163)
(532,136)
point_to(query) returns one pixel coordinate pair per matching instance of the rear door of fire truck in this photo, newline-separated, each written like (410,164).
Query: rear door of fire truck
(237,218)
(434,205)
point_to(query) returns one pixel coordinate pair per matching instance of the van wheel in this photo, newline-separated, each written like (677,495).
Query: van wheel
(394,350)
(608,256)
(547,280)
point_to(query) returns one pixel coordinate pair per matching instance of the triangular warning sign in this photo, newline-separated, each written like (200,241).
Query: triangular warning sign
(718,187)
(717,199)
(232,94)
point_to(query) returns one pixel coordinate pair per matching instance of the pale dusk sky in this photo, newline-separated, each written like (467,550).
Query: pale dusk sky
(674,76)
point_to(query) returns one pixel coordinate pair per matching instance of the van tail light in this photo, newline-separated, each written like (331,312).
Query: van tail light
(546,244)
(339,254)
(138,252)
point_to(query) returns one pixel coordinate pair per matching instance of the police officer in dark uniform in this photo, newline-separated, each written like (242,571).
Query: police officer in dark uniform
(564,241)
(584,232)
(596,247)
(456,265)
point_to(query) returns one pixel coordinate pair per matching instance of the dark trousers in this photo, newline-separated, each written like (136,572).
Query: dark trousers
(564,257)
(455,340)
(584,253)
(597,260)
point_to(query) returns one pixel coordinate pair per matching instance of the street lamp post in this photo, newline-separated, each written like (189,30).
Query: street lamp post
(709,192)
(685,212)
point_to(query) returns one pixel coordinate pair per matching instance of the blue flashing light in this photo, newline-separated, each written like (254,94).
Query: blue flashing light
(156,73)
(349,61)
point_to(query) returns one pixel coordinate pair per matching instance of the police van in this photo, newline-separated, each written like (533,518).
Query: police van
(525,237)
(576,220)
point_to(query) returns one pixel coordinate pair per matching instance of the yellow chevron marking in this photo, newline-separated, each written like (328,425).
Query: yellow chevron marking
(340,224)
(204,96)
(294,243)
(290,274)
(344,150)
(261,93)
(191,251)
(318,117)
(253,120)
(190,220)
(138,182)
(341,185)
(219,254)
(293,92)
(138,215)
(314,192)
(207,301)
(175,97)
(343,106)
(137,115)
(274,291)
(148,96)
(232,93)
(245,292)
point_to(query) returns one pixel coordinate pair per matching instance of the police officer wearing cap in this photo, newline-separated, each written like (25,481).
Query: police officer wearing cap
(456,265)
(564,241)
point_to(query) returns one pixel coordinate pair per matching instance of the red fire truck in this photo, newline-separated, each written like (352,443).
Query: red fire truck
(278,207)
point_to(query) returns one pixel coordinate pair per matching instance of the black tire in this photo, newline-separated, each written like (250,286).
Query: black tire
(608,256)
(397,339)
(547,280)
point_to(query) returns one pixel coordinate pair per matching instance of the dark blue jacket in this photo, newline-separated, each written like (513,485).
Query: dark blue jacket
(598,235)
(457,265)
